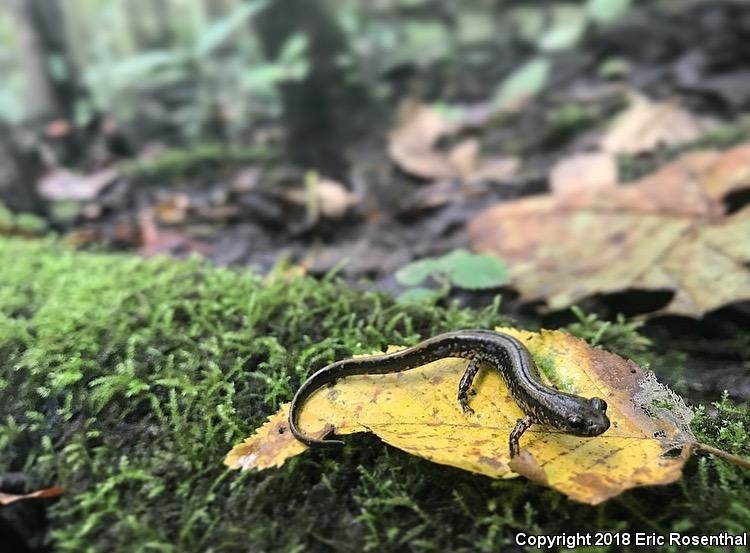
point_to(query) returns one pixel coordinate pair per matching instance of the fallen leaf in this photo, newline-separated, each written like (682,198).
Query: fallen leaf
(411,144)
(246,180)
(495,169)
(583,172)
(416,411)
(8,498)
(413,147)
(646,125)
(61,184)
(173,210)
(464,157)
(333,199)
(155,241)
(666,231)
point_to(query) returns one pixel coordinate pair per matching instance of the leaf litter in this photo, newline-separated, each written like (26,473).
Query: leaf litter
(667,231)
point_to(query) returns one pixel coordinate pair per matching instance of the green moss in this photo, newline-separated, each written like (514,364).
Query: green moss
(127,381)
(177,163)
(547,366)
(22,224)
(621,336)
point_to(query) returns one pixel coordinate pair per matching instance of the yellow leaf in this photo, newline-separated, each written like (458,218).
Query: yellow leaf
(667,231)
(417,411)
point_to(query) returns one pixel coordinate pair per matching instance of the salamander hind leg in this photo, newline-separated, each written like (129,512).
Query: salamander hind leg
(464,387)
(521,426)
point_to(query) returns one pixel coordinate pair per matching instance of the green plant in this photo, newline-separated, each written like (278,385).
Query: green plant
(458,268)
(236,80)
(621,336)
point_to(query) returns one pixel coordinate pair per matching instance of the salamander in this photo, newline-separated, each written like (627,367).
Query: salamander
(540,403)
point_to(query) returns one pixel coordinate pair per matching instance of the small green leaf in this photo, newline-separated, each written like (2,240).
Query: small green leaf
(218,33)
(564,33)
(419,294)
(607,11)
(479,272)
(525,82)
(416,272)
(614,67)
(462,268)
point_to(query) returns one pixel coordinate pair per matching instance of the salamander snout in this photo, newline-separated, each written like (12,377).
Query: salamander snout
(590,419)
(598,421)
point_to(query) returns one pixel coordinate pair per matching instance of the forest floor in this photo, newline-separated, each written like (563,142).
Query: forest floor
(134,415)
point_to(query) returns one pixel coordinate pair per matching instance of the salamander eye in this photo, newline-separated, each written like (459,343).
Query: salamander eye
(575,422)
(599,404)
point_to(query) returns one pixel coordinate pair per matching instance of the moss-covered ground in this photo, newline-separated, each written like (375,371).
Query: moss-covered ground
(127,381)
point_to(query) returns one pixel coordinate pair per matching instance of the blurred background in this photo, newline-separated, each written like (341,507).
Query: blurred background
(348,135)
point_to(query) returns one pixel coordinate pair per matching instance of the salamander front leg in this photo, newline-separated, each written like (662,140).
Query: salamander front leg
(521,426)
(465,386)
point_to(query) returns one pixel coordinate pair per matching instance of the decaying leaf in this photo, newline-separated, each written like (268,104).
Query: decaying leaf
(173,210)
(417,411)
(328,198)
(155,241)
(582,172)
(646,125)
(666,231)
(413,147)
(61,184)
(411,144)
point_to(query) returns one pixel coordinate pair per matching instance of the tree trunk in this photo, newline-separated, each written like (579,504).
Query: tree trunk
(51,75)
(320,111)
(19,168)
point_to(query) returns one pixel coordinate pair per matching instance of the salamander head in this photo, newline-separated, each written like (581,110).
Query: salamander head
(589,419)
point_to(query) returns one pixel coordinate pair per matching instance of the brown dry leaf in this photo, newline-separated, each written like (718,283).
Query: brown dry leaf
(646,125)
(494,169)
(666,231)
(174,209)
(411,145)
(464,157)
(62,184)
(333,199)
(583,172)
(417,411)
(155,241)
(8,498)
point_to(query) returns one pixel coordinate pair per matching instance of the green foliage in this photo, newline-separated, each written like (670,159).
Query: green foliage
(26,224)
(568,26)
(458,268)
(127,381)
(524,83)
(219,33)
(607,11)
(223,64)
